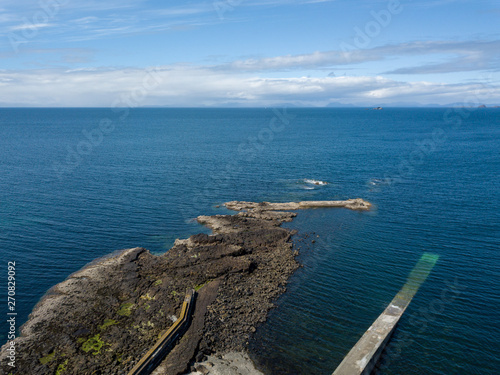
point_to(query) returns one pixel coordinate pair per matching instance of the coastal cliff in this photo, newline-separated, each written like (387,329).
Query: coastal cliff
(103,318)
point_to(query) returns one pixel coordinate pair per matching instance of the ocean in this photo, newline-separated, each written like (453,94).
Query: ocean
(78,184)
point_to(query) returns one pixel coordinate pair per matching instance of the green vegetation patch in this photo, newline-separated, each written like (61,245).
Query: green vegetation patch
(61,368)
(158,282)
(93,344)
(107,323)
(125,309)
(198,287)
(48,358)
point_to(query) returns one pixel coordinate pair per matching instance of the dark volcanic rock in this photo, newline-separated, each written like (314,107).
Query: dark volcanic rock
(103,318)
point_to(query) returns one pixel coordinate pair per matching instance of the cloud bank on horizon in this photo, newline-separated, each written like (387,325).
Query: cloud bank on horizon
(61,53)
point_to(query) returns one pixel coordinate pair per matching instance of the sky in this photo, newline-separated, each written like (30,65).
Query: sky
(243,53)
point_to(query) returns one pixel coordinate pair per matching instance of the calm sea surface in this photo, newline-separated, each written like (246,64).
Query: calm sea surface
(76,184)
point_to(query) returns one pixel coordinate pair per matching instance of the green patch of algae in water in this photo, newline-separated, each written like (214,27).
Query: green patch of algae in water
(417,277)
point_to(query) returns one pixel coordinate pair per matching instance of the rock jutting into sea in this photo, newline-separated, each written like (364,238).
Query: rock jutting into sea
(103,318)
(353,204)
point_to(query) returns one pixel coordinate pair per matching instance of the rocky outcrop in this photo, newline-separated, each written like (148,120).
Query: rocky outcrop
(353,204)
(103,318)
(233,363)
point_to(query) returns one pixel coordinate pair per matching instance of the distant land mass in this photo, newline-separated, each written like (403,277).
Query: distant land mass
(413,105)
(345,105)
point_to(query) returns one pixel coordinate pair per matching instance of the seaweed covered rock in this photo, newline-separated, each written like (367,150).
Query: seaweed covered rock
(103,318)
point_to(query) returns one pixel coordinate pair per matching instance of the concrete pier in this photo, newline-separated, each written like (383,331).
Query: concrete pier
(363,357)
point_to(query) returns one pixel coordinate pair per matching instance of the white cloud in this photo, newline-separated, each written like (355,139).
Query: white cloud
(184,11)
(30,26)
(465,56)
(317,1)
(198,86)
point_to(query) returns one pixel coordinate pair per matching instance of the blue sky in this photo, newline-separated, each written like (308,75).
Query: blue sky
(249,53)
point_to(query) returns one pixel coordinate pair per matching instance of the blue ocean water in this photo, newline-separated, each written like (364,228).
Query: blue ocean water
(76,184)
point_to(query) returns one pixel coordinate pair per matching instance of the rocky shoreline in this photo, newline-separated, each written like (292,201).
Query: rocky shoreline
(103,318)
